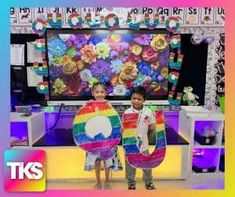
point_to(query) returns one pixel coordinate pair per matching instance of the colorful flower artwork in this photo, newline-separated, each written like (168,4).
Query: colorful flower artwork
(119,59)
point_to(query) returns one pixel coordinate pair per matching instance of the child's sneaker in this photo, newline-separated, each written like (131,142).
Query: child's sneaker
(97,186)
(150,186)
(131,186)
(106,185)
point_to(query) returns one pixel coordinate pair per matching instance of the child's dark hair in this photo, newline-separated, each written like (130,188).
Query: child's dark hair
(98,84)
(139,90)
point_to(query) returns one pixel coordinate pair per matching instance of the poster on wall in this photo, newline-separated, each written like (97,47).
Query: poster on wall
(24,15)
(163,13)
(219,16)
(40,12)
(178,13)
(13,16)
(207,16)
(192,16)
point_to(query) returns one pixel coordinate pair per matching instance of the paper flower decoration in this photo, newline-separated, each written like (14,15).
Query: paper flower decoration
(158,42)
(79,40)
(85,75)
(144,68)
(116,66)
(119,90)
(71,52)
(144,39)
(128,72)
(80,64)
(88,54)
(59,86)
(57,47)
(102,50)
(100,68)
(136,49)
(149,54)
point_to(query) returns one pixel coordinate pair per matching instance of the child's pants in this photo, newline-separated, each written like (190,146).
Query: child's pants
(131,171)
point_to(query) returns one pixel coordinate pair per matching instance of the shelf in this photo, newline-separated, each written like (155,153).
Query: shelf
(195,125)
(221,162)
(205,160)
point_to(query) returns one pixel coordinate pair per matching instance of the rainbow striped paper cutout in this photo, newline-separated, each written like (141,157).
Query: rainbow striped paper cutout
(98,144)
(130,143)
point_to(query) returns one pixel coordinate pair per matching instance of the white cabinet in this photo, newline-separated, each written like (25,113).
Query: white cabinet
(203,129)
(27,129)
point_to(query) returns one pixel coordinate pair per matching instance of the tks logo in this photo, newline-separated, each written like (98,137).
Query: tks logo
(32,170)
(24,170)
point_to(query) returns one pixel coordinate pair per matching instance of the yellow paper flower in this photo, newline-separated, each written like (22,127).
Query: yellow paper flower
(59,86)
(88,54)
(80,64)
(155,66)
(115,37)
(158,42)
(128,72)
(164,72)
(102,50)
(69,68)
(136,49)
(66,59)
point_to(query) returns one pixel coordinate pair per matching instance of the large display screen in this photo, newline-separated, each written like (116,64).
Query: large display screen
(120,59)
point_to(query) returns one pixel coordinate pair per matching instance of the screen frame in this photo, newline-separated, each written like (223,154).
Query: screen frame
(116,100)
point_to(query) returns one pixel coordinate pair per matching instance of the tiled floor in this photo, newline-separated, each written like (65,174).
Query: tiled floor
(197,181)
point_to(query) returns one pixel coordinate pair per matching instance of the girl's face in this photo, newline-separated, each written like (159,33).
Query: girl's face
(99,93)
(137,101)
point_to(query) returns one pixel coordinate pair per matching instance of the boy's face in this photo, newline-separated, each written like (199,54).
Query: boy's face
(99,93)
(137,101)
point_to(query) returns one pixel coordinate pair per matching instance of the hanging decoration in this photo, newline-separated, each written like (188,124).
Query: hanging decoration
(39,26)
(197,38)
(131,24)
(75,20)
(42,88)
(175,64)
(54,24)
(97,138)
(94,24)
(147,21)
(175,41)
(39,45)
(173,77)
(131,143)
(111,21)
(173,101)
(172,24)
(40,70)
